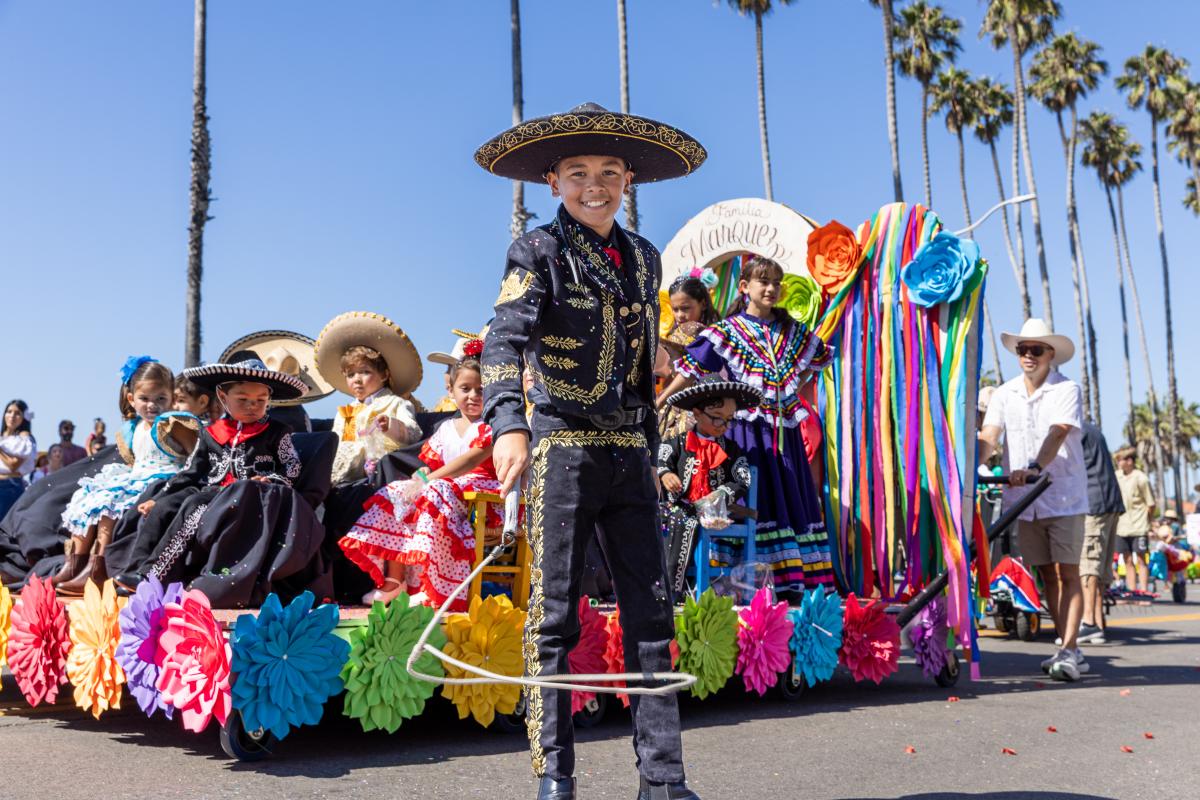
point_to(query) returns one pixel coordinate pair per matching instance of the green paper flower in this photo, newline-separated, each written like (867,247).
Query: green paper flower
(707,635)
(801,299)
(379,691)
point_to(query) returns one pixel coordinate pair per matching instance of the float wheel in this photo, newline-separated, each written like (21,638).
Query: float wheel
(593,713)
(1027,626)
(244,745)
(790,685)
(949,674)
(511,723)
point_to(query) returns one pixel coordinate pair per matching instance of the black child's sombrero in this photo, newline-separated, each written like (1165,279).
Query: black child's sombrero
(283,386)
(654,150)
(693,397)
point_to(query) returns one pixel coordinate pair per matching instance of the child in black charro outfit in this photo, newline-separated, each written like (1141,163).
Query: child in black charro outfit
(697,464)
(579,307)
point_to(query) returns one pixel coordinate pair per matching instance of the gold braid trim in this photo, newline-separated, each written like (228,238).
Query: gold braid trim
(494,373)
(608,351)
(562,342)
(560,362)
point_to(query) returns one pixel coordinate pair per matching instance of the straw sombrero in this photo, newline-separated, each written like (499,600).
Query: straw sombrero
(369,330)
(286,351)
(1036,330)
(283,386)
(654,150)
(176,432)
(696,396)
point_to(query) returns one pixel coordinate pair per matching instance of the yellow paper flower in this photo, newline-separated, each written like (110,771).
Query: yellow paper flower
(488,636)
(92,663)
(5,610)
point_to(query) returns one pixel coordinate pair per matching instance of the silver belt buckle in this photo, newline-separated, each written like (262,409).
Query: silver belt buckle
(611,421)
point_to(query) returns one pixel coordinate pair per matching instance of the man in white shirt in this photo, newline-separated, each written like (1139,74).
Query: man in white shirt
(1040,416)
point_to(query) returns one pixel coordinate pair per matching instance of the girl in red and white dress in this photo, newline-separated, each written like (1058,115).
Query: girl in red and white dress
(416,535)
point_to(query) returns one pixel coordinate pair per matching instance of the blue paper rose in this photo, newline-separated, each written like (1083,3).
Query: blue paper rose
(940,270)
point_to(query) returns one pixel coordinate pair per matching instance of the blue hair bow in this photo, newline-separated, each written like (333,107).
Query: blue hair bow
(132,364)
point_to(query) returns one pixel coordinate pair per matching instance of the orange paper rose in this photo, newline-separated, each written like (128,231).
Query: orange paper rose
(833,256)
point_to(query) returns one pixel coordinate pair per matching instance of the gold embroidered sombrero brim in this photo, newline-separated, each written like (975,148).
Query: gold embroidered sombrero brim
(656,151)
(371,330)
(286,351)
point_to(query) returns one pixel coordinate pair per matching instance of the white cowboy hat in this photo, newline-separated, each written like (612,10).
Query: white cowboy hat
(1036,330)
(456,353)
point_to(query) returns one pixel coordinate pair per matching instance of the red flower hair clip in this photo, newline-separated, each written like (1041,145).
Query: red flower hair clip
(473,348)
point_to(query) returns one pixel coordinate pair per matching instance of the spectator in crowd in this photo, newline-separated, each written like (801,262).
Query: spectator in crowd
(18,452)
(1133,528)
(98,430)
(1099,531)
(1039,413)
(40,468)
(71,452)
(95,443)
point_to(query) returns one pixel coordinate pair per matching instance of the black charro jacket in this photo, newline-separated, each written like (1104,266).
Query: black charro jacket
(588,334)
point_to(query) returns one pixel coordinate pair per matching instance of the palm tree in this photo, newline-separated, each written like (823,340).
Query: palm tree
(889,65)
(1177,450)
(994,110)
(200,194)
(631,212)
(1063,72)
(520,214)
(1023,24)
(1184,130)
(952,94)
(1191,198)
(1146,80)
(928,40)
(760,9)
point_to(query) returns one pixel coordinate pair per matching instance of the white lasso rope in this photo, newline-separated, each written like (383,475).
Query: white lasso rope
(1024,198)
(600,683)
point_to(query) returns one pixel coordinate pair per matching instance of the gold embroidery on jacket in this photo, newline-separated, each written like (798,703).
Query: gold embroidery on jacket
(514,287)
(494,373)
(560,362)
(568,390)
(562,342)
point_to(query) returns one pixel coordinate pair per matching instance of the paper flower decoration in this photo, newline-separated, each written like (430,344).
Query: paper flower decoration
(194,658)
(833,256)
(92,667)
(801,299)
(38,642)
(5,612)
(870,641)
(286,663)
(707,636)
(587,658)
(380,693)
(817,635)
(614,651)
(940,269)
(142,622)
(762,639)
(132,364)
(488,636)
(928,636)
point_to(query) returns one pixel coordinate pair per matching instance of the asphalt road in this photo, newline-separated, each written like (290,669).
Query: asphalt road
(840,741)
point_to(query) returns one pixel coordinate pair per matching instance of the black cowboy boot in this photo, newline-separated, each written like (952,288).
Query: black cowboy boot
(664,791)
(557,789)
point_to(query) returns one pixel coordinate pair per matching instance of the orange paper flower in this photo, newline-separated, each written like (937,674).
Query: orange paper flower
(92,663)
(833,256)
(5,611)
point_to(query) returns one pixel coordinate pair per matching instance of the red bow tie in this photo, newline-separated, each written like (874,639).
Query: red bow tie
(709,456)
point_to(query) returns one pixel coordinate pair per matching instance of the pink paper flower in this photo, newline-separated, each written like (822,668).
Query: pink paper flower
(38,644)
(870,641)
(194,677)
(587,658)
(763,636)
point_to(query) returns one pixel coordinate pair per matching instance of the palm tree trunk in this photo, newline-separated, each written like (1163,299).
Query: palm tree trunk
(1085,373)
(1112,213)
(1160,482)
(1026,300)
(1018,266)
(991,332)
(1172,392)
(962,180)
(631,210)
(762,105)
(1034,206)
(925,143)
(199,199)
(1073,210)
(520,214)
(889,63)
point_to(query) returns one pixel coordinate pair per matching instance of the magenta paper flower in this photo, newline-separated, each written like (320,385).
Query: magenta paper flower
(39,642)
(763,637)
(587,658)
(194,658)
(928,636)
(870,641)
(143,620)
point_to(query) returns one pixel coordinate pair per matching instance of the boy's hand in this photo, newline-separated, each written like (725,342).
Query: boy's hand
(145,507)
(510,455)
(671,482)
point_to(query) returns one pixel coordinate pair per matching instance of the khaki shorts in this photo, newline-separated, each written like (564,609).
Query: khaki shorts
(1051,540)
(1099,541)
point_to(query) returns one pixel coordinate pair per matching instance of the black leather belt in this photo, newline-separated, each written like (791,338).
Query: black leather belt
(615,420)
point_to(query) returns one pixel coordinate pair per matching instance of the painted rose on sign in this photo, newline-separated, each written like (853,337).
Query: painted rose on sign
(941,269)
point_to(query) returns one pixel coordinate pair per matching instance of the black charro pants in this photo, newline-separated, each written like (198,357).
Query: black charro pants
(585,483)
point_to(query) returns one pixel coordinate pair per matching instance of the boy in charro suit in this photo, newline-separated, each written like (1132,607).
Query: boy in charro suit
(579,306)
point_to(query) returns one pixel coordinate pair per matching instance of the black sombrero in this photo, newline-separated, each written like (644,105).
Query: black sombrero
(654,150)
(283,386)
(693,397)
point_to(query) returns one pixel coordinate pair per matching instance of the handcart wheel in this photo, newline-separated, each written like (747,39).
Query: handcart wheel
(244,745)
(511,723)
(593,713)
(1028,625)
(1000,622)
(949,674)
(790,685)
(1179,592)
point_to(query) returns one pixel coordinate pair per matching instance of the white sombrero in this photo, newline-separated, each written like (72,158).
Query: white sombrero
(355,328)
(285,351)
(456,353)
(1036,330)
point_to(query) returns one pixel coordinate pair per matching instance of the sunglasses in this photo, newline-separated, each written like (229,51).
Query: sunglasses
(1035,350)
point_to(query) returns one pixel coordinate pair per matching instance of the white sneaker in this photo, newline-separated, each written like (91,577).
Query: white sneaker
(383,594)
(1090,634)
(1052,660)
(1081,662)
(1066,668)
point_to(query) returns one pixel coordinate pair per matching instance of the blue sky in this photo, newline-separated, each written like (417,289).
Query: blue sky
(342,171)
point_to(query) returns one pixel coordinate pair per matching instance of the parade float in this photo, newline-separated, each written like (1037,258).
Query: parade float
(897,297)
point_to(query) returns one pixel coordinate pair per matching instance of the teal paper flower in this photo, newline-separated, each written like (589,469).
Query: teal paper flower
(941,269)
(817,635)
(707,635)
(286,663)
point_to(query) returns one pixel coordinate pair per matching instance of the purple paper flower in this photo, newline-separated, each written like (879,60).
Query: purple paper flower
(928,636)
(141,625)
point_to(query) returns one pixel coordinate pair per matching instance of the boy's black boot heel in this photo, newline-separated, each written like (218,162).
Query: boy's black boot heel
(664,791)
(557,789)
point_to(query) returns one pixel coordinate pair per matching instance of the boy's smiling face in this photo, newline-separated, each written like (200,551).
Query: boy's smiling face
(591,188)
